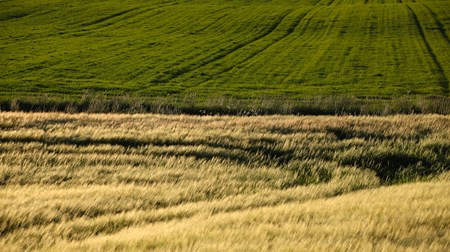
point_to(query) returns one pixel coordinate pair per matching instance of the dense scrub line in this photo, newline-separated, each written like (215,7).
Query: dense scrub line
(226,105)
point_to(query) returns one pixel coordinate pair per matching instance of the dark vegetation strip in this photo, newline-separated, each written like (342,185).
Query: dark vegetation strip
(227,105)
(16,15)
(326,2)
(270,151)
(387,164)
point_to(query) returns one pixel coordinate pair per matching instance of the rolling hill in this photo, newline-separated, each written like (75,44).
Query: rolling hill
(238,48)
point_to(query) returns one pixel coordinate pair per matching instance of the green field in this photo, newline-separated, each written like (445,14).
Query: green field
(109,182)
(237,48)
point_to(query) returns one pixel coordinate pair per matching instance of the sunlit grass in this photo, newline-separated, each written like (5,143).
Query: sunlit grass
(136,182)
(243,49)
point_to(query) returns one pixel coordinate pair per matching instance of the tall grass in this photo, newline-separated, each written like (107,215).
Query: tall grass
(80,181)
(227,105)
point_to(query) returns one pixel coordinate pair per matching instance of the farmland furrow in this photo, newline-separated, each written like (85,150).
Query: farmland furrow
(288,43)
(228,51)
(320,43)
(127,53)
(240,49)
(440,26)
(346,55)
(260,50)
(185,54)
(326,2)
(327,29)
(145,69)
(211,24)
(443,79)
(133,19)
(104,19)
(115,19)
(199,53)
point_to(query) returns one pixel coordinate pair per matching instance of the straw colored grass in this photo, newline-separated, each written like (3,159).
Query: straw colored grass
(89,182)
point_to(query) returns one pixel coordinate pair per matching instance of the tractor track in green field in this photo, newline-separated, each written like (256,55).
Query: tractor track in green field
(113,19)
(438,23)
(239,48)
(104,19)
(196,32)
(288,32)
(231,50)
(210,24)
(326,2)
(103,22)
(443,79)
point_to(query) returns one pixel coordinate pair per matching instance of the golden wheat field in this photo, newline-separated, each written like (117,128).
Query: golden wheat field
(110,182)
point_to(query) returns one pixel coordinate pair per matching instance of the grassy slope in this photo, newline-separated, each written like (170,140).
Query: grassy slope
(242,48)
(411,217)
(183,182)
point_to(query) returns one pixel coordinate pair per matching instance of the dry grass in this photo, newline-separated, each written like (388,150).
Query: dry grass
(139,182)
(400,218)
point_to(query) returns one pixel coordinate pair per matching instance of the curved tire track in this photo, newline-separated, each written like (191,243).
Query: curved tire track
(104,19)
(288,32)
(440,26)
(442,78)
(182,71)
(103,22)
